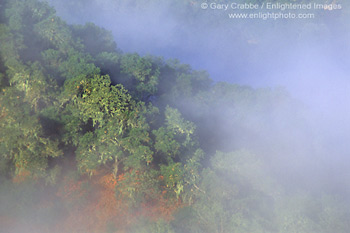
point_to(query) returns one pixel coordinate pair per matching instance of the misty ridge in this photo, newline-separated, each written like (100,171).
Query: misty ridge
(310,59)
(160,116)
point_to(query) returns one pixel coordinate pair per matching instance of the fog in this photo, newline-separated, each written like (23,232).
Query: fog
(309,58)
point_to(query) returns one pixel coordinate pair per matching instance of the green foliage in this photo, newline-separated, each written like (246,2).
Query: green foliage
(173,177)
(110,122)
(22,136)
(55,32)
(165,143)
(136,143)
(192,176)
(175,142)
(27,91)
(182,180)
(76,64)
(109,64)
(22,13)
(178,83)
(179,126)
(138,186)
(226,204)
(38,90)
(97,100)
(185,220)
(95,39)
(9,47)
(141,75)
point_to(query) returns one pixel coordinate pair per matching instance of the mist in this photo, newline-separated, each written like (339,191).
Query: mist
(309,57)
(277,112)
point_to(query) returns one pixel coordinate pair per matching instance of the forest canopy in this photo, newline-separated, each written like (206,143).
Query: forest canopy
(96,140)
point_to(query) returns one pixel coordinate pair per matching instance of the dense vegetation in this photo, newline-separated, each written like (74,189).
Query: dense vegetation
(95,140)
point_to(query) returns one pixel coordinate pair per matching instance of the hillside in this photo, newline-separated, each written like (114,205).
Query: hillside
(97,140)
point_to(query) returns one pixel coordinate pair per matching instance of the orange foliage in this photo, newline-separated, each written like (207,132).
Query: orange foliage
(108,181)
(91,205)
(163,208)
(121,177)
(72,190)
(101,207)
(22,176)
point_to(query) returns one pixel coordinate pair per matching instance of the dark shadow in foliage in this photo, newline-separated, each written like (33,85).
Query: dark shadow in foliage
(94,38)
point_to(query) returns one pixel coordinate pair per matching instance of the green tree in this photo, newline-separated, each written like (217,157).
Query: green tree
(166,144)
(182,128)
(138,186)
(38,90)
(229,199)
(110,123)
(23,139)
(141,75)
(95,39)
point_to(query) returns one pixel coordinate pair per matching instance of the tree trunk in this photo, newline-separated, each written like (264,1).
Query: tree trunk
(115,167)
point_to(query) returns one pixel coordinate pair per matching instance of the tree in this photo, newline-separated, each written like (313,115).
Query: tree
(110,123)
(228,198)
(75,64)
(95,39)
(137,187)
(182,128)
(38,90)
(141,76)
(23,140)
(306,212)
(166,144)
